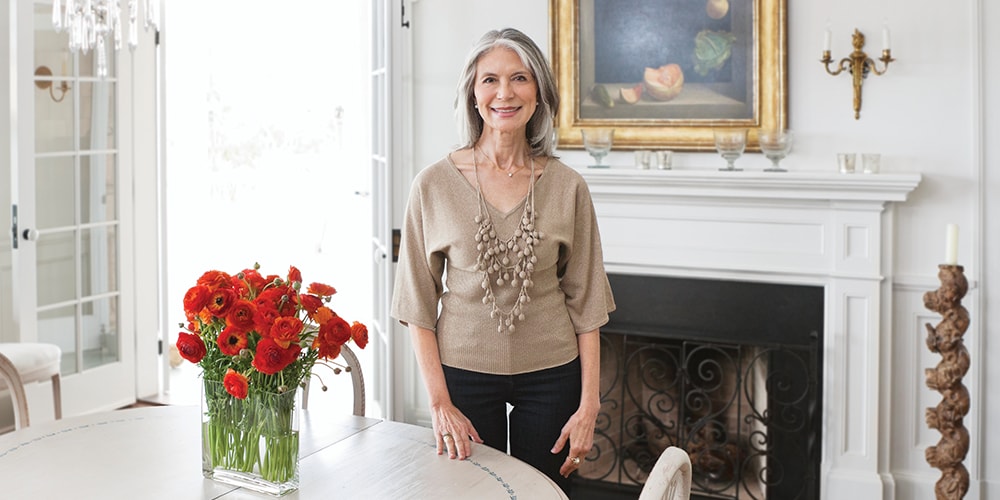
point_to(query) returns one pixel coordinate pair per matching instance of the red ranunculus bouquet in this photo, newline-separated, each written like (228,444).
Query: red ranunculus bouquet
(249,330)
(256,339)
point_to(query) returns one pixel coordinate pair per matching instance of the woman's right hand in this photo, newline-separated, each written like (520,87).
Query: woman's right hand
(453,431)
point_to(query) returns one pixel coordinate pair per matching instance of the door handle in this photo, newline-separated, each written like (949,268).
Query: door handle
(13,226)
(30,234)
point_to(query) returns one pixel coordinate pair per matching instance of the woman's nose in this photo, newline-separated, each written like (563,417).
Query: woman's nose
(502,90)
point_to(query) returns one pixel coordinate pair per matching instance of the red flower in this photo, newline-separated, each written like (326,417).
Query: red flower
(310,303)
(191,347)
(241,314)
(220,302)
(272,358)
(236,384)
(196,299)
(244,328)
(215,279)
(337,330)
(294,275)
(280,298)
(254,281)
(232,340)
(359,333)
(321,289)
(285,330)
(329,351)
(332,334)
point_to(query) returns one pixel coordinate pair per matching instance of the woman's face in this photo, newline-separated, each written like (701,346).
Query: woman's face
(505,91)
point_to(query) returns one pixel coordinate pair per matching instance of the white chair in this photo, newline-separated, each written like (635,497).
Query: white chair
(670,478)
(357,380)
(22,363)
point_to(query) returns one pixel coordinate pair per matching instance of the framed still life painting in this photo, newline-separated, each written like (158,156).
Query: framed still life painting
(667,73)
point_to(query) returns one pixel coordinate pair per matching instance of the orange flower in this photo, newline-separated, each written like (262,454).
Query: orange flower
(215,279)
(285,330)
(359,333)
(321,289)
(220,301)
(241,314)
(232,340)
(323,315)
(236,384)
(329,351)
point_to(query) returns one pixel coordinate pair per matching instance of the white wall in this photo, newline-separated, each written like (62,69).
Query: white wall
(929,114)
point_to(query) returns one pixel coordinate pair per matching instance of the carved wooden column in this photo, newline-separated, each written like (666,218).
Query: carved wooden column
(946,378)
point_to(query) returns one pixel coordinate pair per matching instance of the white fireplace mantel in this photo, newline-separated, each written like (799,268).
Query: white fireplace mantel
(806,228)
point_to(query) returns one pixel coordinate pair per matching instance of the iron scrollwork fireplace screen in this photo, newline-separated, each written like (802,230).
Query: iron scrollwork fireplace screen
(741,393)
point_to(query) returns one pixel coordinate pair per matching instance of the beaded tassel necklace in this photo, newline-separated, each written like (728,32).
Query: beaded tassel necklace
(506,261)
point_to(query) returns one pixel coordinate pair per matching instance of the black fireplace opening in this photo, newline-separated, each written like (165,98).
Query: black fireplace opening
(730,371)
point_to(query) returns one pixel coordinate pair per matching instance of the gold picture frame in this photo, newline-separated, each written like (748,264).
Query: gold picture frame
(739,85)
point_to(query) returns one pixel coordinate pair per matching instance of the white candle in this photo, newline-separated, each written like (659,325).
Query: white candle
(951,247)
(885,37)
(826,39)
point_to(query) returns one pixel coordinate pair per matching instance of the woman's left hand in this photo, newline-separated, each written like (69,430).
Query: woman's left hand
(579,431)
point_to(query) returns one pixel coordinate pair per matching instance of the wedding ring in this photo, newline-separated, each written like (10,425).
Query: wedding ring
(575,460)
(446,435)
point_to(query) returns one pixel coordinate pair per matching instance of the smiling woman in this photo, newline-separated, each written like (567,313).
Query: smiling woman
(266,136)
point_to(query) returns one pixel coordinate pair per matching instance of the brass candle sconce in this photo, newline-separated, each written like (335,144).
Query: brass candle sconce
(63,86)
(858,64)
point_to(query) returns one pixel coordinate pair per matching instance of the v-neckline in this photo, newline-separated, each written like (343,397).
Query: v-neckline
(474,190)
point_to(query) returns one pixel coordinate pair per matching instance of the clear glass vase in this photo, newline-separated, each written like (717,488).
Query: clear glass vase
(252,443)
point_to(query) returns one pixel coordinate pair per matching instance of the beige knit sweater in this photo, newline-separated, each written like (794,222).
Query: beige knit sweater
(438,286)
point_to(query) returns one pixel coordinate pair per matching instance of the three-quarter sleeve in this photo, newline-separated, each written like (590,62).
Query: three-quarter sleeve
(418,284)
(584,281)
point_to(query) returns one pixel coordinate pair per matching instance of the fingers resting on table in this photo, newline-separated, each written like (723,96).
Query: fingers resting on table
(454,432)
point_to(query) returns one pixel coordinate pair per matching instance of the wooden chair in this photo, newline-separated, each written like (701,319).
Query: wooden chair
(22,363)
(670,478)
(357,380)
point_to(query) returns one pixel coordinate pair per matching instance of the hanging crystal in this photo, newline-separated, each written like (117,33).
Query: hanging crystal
(90,22)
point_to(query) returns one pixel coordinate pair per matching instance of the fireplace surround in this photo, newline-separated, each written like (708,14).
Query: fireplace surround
(727,370)
(828,231)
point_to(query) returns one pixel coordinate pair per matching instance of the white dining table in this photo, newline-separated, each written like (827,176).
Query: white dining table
(155,452)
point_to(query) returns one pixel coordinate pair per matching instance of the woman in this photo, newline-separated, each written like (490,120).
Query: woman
(501,280)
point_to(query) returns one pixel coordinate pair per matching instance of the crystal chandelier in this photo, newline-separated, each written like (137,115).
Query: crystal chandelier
(91,22)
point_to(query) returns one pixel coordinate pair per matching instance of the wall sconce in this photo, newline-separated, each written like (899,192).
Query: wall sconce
(45,72)
(858,64)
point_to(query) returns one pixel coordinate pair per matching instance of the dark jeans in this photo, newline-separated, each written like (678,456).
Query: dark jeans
(542,403)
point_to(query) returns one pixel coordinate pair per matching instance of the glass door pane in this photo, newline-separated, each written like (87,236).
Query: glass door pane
(75,192)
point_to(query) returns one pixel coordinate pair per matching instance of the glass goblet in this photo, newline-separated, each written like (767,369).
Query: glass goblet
(730,144)
(597,142)
(776,144)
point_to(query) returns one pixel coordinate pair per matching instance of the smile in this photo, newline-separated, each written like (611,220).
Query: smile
(506,111)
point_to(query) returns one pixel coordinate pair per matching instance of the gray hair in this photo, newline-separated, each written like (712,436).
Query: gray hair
(539,129)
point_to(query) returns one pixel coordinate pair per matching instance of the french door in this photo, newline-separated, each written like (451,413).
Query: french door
(71,206)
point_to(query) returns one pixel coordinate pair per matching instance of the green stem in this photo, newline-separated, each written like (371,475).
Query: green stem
(251,436)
